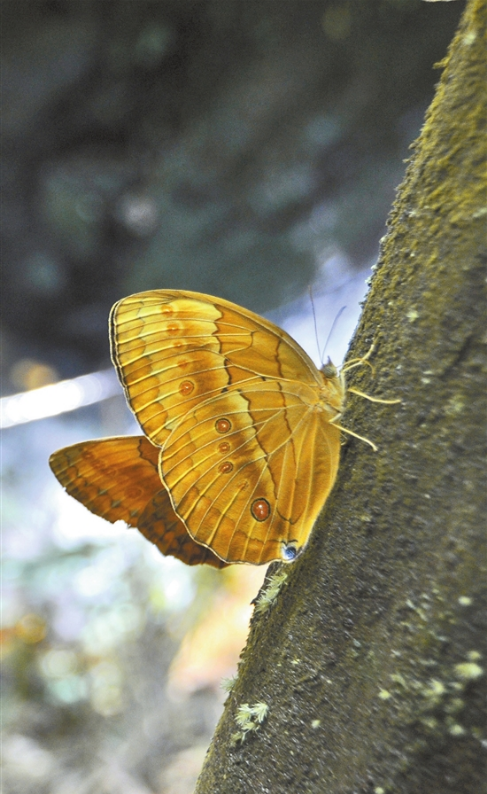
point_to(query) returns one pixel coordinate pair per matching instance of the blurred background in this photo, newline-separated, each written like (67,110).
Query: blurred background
(245,148)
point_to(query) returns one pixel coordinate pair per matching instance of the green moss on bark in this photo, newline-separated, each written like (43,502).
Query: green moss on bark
(372,659)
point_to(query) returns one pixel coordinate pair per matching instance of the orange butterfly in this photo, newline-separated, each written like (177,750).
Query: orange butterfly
(241,444)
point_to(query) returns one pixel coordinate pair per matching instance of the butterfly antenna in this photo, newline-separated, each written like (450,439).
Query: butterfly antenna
(310,289)
(331,331)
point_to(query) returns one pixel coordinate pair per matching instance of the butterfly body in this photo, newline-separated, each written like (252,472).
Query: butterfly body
(241,449)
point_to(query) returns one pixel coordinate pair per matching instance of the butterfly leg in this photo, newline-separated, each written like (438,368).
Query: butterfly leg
(372,399)
(357,362)
(351,433)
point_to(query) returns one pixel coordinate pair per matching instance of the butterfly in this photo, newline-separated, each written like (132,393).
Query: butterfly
(241,439)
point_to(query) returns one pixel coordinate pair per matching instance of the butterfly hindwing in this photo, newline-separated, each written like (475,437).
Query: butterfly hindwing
(112,477)
(159,523)
(242,471)
(118,479)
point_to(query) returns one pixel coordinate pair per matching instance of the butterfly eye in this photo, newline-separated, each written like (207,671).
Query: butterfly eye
(289,552)
(226,467)
(223,425)
(260,509)
(224,447)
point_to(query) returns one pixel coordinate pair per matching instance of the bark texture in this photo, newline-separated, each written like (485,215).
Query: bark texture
(372,658)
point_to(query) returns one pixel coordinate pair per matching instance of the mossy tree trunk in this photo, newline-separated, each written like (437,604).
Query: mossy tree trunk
(372,659)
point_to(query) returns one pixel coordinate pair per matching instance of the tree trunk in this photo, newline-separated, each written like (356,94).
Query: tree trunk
(371,660)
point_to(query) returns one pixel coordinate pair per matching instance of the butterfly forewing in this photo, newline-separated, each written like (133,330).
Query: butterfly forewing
(171,350)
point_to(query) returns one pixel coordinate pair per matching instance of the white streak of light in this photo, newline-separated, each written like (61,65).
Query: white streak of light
(58,398)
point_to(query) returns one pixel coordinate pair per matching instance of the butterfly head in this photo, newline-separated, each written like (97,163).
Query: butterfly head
(332,391)
(329,370)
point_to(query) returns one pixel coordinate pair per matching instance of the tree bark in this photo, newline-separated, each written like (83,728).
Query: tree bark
(372,659)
